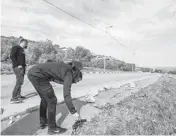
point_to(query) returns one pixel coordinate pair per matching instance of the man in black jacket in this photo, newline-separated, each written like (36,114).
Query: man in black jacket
(17,56)
(40,76)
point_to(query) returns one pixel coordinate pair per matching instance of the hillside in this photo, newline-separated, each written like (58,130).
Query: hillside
(41,51)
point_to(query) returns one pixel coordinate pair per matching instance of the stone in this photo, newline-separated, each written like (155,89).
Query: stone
(90,99)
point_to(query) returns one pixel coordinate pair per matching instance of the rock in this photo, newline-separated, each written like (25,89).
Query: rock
(90,99)
(107,86)
(18,117)
(132,85)
(117,86)
(11,117)
(11,120)
(93,91)
(100,89)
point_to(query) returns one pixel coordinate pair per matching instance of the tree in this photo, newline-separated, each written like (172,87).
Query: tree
(45,57)
(70,54)
(83,54)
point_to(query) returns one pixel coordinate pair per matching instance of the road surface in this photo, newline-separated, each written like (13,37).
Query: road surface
(8,82)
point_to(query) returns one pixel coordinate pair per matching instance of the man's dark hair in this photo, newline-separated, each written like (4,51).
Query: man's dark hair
(77,74)
(80,74)
(23,40)
(75,65)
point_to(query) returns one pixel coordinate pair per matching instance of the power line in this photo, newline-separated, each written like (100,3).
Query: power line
(116,40)
(84,22)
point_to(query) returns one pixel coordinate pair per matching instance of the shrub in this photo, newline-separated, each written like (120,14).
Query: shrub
(172,72)
(6,68)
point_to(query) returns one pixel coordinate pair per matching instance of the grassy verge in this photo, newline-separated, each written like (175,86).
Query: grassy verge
(151,111)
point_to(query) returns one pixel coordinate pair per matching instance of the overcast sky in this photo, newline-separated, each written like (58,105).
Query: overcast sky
(149,25)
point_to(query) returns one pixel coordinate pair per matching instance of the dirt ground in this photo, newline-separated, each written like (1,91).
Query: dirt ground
(150,111)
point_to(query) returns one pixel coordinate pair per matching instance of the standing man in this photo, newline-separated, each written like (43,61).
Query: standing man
(40,76)
(17,56)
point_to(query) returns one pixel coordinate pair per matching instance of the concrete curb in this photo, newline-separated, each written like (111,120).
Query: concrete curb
(95,72)
(32,109)
(95,90)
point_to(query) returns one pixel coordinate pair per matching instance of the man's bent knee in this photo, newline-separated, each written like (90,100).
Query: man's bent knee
(52,97)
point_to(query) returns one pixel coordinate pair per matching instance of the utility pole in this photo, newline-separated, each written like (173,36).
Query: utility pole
(104,56)
(133,61)
(104,64)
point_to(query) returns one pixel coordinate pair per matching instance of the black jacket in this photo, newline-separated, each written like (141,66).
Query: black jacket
(17,56)
(61,73)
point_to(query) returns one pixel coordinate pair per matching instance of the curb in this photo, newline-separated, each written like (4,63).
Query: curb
(32,109)
(95,72)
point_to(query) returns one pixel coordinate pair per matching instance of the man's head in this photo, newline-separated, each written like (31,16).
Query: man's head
(77,76)
(24,43)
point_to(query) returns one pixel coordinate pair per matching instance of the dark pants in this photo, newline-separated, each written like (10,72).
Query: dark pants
(48,99)
(19,72)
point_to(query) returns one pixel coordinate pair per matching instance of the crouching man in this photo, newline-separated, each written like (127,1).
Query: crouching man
(40,76)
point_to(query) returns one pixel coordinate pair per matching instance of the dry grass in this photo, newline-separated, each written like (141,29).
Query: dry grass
(151,111)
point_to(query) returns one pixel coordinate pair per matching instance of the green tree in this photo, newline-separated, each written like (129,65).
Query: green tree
(83,54)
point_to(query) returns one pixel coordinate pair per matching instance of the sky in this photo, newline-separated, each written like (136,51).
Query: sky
(147,28)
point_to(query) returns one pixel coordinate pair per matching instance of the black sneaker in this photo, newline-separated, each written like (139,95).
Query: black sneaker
(56,130)
(43,125)
(21,97)
(15,100)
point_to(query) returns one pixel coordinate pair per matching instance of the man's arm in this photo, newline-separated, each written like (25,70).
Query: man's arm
(67,92)
(21,58)
(13,54)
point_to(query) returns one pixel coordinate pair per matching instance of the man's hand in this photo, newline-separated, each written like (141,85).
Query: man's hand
(20,66)
(77,116)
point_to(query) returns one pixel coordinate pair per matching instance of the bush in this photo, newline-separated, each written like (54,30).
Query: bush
(46,57)
(172,72)
(6,68)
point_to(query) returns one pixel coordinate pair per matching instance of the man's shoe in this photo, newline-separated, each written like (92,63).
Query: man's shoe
(56,130)
(21,97)
(15,100)
(44,125)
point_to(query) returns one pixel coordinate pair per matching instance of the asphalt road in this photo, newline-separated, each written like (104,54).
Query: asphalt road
(8,82)
(28,125)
